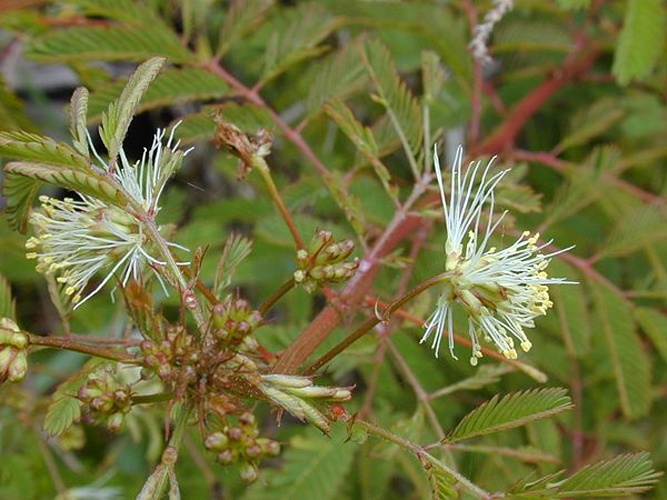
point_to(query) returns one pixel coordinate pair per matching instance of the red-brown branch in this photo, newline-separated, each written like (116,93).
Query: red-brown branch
(505,134)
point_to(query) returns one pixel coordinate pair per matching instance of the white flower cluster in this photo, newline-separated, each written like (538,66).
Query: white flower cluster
(76,239)
(500,291)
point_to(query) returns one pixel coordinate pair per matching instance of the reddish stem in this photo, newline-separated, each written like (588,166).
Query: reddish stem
(505,134)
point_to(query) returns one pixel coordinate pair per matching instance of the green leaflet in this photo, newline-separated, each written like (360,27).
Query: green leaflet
(361,136)
(65,408)
(242,17)
(314,466)
(402,107)
(91,183)
(512,410)
(632,367)
(7,303)
(654,324)
(19,192)
(297,38)
(337,76)
(621,476)
(234,251)
(116,120)
(78,111)
(114,43)
(571,307)
(637,228)
(40,149)
(172,86)
(591,122)
(641,41)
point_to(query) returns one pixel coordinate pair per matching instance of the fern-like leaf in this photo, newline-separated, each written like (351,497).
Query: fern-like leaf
(234,251)
(242,17)
(297,39)
(591,122)
(29,147)
(116,120)
(78,112)
(654,324)
(171,86)
(340,74)
(91,182)
(64,408)
(402,107)
(632,368)
(313,467)
(19,192)
(511,411)
(636,229)
(113,43)
(624,475)
(639,46)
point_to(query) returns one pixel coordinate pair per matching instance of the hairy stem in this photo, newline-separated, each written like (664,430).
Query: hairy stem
(76,345)
(423,456)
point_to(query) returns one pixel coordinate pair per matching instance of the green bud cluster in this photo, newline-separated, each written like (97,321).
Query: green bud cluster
(105,400)
(295,393)
(13,352)
(172,358)
(241,443)
(324,261)
(233,323)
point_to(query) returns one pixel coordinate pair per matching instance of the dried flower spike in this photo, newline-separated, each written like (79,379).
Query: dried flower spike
(500,291)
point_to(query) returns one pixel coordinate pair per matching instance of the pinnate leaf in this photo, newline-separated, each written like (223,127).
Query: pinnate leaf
(108,43)
(314,467)
(394,95)
(512,410)
(171,86)
(641,41)
(116,120)
(37,148)
(65,408)
(621,476)
(91,182)
(632,368)
(234,251)
(19,192)
(654,324)
(78,113)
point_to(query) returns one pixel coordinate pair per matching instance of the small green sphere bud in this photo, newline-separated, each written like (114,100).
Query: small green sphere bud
(216,441)
(249,473)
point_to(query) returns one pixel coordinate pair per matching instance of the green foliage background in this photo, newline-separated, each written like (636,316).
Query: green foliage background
(576,101)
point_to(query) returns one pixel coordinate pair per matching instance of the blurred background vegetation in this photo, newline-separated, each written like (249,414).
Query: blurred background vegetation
(574,97)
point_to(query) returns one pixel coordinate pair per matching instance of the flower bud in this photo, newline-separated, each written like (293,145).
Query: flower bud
(115,422)
(216,441)
(18,368)
(249,473)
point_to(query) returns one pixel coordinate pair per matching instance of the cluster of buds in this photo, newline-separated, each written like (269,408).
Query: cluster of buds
(13,353)
(233,321)
(105,400)
(241,443)
(296,393)
(324,261)
(174,358)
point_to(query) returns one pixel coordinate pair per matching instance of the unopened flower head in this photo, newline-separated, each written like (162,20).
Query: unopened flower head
(500,291)
(76,239)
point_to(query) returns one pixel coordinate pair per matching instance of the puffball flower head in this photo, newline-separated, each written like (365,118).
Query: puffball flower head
(76,239)
(500,291)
